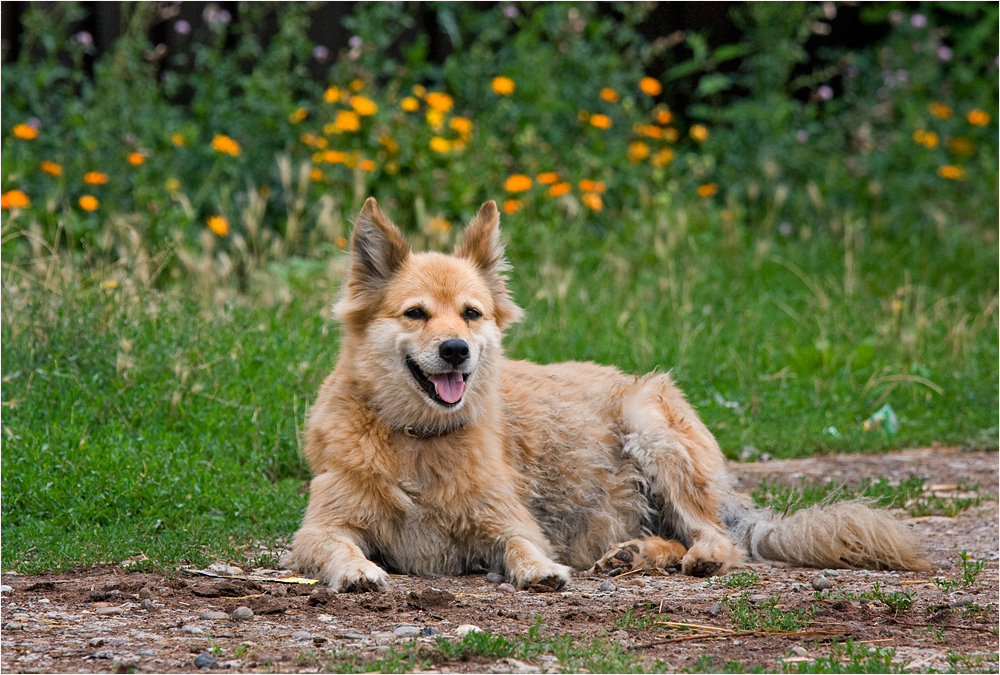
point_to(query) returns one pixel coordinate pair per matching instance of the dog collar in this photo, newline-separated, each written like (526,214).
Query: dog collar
(424,432)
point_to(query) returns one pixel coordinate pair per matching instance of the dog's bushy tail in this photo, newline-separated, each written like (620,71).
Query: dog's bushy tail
(838,535)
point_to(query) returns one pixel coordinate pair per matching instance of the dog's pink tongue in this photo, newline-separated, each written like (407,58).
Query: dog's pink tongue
(449,386)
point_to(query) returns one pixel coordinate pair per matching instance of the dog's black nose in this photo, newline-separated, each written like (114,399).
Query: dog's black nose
(454,352)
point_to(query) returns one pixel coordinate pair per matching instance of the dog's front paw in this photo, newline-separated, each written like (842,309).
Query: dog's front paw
(543,578)
(706,559)
(358,579)
(641,554)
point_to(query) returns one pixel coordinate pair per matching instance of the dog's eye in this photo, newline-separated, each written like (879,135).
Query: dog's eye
(415,313)
(471,314)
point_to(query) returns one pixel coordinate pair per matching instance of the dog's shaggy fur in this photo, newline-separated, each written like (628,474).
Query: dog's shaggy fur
(433,454)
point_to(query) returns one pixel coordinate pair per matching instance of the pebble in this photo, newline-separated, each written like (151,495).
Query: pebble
(494,578)
(5,588)
(302,635)
(96,642)
(206,660)
(519,667)
(799,650)
(214,616)
(146,652)
(103,655)
(607,586)
(715,609)
(242,614)
(225,568)
(351,635)
(191,630)
(109,611)
(506,588)
(318,640)
(428,631)
(892,581)
(467,628)
(821,583)
(620,635)
(406,632)
(13,625)
(149,605)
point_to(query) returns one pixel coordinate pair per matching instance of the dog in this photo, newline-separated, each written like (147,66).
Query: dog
(433,454)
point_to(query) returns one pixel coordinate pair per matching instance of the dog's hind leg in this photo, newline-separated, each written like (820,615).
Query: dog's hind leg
(647,553)
(685,471)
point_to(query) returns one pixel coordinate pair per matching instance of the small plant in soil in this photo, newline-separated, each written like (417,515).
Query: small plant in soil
(971,569)
(737,580)
(766,616)
(897,601)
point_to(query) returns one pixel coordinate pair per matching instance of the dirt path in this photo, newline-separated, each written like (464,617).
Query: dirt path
(109,620)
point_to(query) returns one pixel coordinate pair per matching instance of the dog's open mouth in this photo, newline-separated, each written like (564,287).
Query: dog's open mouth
(443,388)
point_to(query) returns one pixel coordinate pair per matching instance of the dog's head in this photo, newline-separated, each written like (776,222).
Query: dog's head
(424,329)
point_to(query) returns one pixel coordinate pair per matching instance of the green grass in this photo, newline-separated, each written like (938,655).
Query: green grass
(766,616)
(163,418)
(971,569)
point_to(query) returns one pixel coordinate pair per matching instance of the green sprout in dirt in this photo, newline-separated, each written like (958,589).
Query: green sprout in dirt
(897,601)
(971,569)
(766,616)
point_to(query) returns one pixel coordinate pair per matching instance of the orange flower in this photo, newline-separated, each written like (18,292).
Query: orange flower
(928,139)
(439,101)
(663,157)
(340,242)
(600,121)
(707,190)
(951,172)
(136,158)
(512,205)
(671,134)
(609,95)
(345,120)
(961,145)
(647,130)
(331,95)
(367,165)
(940,110)
(559,189)
(637,151)
(89,203)
(461,125)
(363,106)
(664,116)
(297,115)
(178,140)
(25,131)
(223,143)
(439,144)
(517,183)
(409,104)
(503,85)
(316,174)
(592,186)
(51,168)
(435,118)
(980,118)
(356,85)
(334,157)
(698,132)
(650,86)
(14,199)
(547,178)
(219,225)
(388,143)
(95,178)
(592,201)
(439,224)
(419,90)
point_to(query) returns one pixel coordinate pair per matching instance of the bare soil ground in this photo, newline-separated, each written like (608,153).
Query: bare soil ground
(112,620)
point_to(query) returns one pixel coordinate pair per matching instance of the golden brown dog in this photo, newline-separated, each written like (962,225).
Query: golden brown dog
(433,454)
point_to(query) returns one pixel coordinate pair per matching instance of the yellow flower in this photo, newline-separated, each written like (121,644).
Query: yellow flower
(89,203)
(388,143)
(367,165)
(136,158)
(951,172)
(980,118)
(51,168)
(940,110)
(409,104)
(609,95)
(600,121)
(223,143)
(178,140)
(664,116)
(928,139)
(439,224)
(332,94)
(95,178)
(25,131)
(435,118)
(461,125)
(671,134)
(592,186)
(298,115)
(356,85)
(650,86)
(14,199)
(219,225)
(419,90)
(698,132)
(547,178)
(439,144)
(503,85)
(637,151)
(707,190)
(512,205)
(592,201)
(316,174)
(334,157)
(961,145)
(663,157)
(439,101)
(559,189)
(346,120)
(517,183)
(363,106)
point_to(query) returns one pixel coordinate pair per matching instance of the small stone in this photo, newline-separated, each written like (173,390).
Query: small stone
(109,611)
(108,655)
(821,583)
(519,667)
(149,605)
(406,632)
(96,642)
(351,635)
(607,586)
(242,614)
(214,616)
(383,637)
(467,628)
(892,581)
(494,578)
(191,630)
(6,589)
(620,635)
(146,652)
(318,640)
(302,635)
(145,593)
(831,573)
(506,588)
(429,631)
(206,660)
(124,664)
(715,609)
(737,643)
(799,650)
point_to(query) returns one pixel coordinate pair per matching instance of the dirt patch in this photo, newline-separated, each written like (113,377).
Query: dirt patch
(110,620)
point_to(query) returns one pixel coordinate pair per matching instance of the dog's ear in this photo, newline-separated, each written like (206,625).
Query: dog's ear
(481,244)
(378,250)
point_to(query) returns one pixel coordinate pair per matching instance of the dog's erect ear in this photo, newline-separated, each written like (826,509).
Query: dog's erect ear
(481,244)
(378,249)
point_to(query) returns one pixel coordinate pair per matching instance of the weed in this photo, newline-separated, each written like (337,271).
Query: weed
(971,569)
(737,580)
(897,601)
(766,616)
(633,620)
